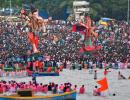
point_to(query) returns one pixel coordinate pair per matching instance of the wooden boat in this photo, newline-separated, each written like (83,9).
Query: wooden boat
(64,96)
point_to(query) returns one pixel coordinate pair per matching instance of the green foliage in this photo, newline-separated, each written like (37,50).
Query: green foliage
(99,8)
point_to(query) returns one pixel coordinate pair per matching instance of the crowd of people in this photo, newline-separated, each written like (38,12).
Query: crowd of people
(13,74)
(62,45)
(11,87)
(60,48)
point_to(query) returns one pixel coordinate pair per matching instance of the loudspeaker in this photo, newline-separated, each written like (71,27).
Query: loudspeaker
(25,93)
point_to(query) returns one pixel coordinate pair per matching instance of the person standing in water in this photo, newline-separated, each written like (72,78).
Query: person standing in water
(34,79)
(95,74)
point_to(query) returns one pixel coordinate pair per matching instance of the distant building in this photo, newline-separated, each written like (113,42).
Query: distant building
(80,8)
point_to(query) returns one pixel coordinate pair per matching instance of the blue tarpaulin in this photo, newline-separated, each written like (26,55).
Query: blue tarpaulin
(106,19)
(43,14)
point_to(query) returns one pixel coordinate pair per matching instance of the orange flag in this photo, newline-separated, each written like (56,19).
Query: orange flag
(104,84)
(36,41)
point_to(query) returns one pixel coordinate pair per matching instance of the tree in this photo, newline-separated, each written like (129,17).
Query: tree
(99,8)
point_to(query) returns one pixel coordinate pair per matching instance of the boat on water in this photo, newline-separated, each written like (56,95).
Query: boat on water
(63,96)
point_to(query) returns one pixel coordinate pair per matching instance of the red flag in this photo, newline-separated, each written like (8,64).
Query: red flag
(36,41)
(104,84)
(74,28)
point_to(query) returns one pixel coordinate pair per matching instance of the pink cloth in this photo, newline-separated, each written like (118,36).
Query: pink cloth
(39,88)
(75,89)
(61,87)
(1,90)
(67,90)
(105,72)
(4,89)
(128,42)
(34,89)
(28,64)
(45,89)
(82,90)
(95,92)
(12,89)
(123,65)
